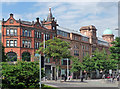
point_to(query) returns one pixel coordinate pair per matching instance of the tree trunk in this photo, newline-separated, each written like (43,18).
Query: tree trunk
(85,76)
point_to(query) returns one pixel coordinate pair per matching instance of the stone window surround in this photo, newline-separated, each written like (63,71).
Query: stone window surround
(26,43)
(24,31)
(9,44)
(8,31)
(37,34)
(37,44)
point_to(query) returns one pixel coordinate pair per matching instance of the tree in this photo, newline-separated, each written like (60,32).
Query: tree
(3,54)
(99,61)
(99,58)
(20,75)
(77,66)
(115,50)
(88,63)
(56,49)
(110,64)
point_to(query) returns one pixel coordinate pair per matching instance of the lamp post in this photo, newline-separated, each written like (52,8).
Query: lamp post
(44,54)
(118,36)
(68,65)
(118,31)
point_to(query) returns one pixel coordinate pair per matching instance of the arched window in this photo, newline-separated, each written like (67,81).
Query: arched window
(26,56)
(11,56)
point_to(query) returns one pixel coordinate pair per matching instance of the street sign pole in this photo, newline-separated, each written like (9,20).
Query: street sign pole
(110,72)
(67,69)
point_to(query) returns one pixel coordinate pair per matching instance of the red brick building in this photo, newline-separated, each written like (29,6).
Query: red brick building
(19,37)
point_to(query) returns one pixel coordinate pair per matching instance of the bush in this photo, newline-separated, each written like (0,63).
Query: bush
(20,75)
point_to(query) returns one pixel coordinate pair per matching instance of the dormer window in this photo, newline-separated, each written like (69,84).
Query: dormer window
(11,21)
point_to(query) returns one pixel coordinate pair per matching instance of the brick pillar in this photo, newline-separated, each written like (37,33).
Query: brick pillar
(32,56)
(19,56)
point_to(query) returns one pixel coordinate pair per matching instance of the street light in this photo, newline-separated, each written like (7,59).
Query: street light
(68,65)
(118,36)
(44,54)
(118,31)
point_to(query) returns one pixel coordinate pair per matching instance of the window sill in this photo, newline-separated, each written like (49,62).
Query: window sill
(12,47)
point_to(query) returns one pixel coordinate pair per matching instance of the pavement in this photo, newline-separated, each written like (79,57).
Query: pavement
(78,83)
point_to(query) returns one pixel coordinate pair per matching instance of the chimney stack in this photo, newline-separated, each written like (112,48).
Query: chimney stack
(11,15)
(37,19)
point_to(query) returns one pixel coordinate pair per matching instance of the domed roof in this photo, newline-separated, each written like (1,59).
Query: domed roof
(107,31)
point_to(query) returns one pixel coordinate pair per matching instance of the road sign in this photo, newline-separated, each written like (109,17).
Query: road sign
(110,71)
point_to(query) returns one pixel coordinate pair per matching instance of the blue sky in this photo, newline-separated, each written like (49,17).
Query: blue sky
(72,15)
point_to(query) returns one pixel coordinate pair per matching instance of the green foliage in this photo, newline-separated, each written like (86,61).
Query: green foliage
(76,64)
(88,63)
(110,64)
(14,58)
(3,54)
(99,58)
(99,61)
(20,75)
(115,49)
(56,49)
(26,56)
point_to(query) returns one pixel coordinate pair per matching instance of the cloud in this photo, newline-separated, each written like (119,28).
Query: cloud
(59,0)
(102,15)
(74,15)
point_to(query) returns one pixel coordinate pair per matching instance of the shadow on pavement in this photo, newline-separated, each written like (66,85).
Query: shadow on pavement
(76,82)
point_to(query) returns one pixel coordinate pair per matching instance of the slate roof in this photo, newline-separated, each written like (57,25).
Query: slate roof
(70,31)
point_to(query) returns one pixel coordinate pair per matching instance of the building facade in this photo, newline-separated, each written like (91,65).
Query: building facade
(82,43)
(22,38)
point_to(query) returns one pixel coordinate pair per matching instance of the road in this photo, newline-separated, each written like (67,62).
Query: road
(86,83)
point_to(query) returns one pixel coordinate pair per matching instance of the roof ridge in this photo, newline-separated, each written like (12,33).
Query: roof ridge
(66,28)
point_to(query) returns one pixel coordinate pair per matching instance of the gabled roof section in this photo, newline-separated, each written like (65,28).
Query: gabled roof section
(11,20)
(37,23)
